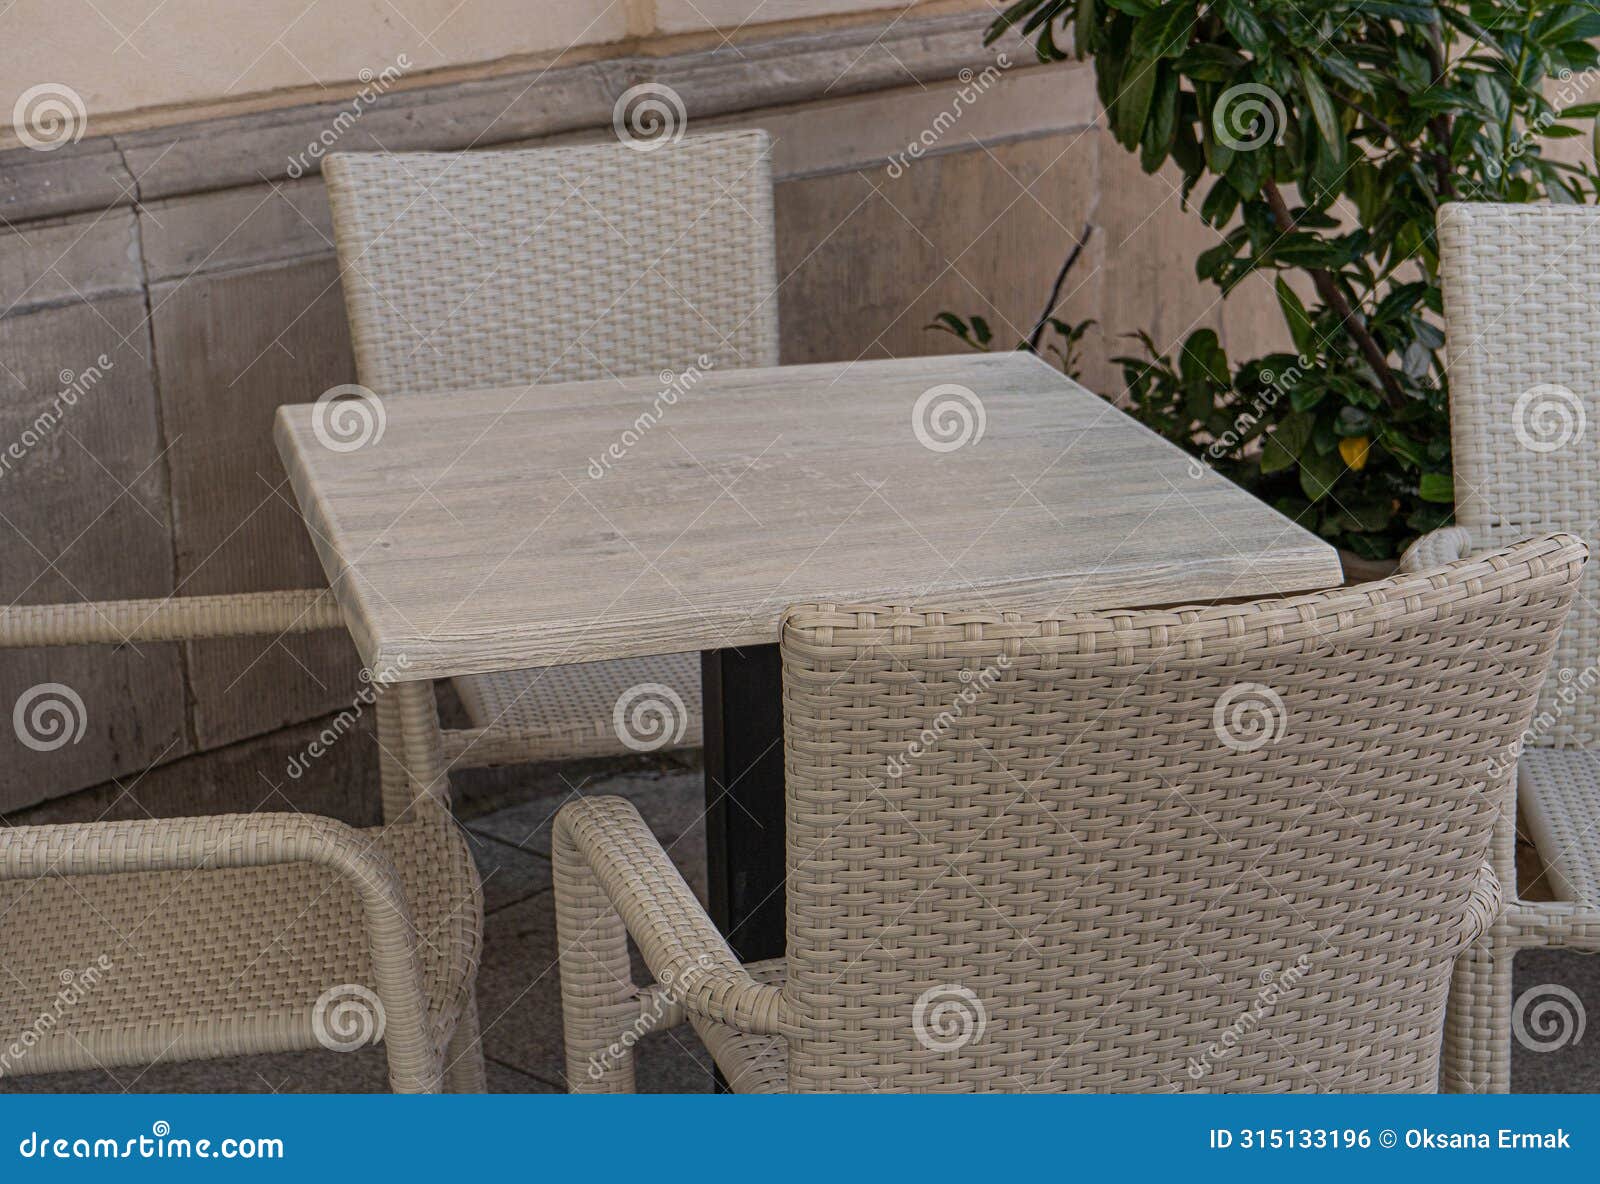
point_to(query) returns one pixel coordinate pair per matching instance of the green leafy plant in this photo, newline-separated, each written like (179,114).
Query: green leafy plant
(1319,137)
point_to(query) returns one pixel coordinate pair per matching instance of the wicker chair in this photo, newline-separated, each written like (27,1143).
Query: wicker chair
(1227,848)
(512,268)
(1521,288)
(190,938)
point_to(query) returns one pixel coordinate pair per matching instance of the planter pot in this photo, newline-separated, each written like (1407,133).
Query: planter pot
(1363,571)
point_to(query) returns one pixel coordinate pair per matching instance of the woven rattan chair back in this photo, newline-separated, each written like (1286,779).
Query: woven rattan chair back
(1233,848)
(1522,301)
(490,269)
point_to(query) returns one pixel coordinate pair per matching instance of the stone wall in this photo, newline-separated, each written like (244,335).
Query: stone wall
(164,290)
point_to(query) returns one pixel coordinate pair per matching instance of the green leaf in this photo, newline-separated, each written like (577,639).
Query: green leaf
(1282,449)
(1327,119)
(1365,516)
(1319,474)
(1301,330)
(1353,421)
(1210,63)
(1202,359)
(1164,33)
(1084,25)
(1437,487)
(1245,26)
(1133,100)
(1160,128)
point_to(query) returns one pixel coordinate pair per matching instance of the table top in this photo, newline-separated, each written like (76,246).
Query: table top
(473,531)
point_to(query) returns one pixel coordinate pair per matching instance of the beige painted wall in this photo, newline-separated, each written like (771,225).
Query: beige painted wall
(140,62)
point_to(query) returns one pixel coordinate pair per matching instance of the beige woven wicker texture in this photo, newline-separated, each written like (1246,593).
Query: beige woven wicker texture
(1522,306)
(1071,853)
(1522,302)
(134,942)
(1520,295)
(489,269)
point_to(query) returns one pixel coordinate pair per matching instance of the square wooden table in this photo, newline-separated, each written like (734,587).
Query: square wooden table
(535,526)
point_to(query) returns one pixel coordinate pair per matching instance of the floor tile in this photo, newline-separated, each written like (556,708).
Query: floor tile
(671,803)
(1558,993)
(507,872)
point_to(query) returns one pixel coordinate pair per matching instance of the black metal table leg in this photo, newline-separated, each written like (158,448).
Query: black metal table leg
(742,691)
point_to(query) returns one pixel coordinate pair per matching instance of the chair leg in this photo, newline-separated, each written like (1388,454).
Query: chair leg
(393,776)
(463,1060)
(598,1001)
(408,725)
(1477,1043)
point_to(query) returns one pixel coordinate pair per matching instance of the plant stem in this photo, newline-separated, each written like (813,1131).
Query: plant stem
(1055,289)
(1440,123)
(1328,288)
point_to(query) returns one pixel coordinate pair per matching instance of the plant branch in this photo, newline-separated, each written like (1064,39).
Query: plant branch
(1441,163)
(1440,123)
(1328,288)
(1037,335)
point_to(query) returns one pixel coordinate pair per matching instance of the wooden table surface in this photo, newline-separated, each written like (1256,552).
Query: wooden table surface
(489,530)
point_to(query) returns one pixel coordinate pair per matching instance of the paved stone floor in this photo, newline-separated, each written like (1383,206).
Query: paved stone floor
(519,995)
(508,821)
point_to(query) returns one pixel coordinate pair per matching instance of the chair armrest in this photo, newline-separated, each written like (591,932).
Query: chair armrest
(258,840)
(1554,924)
(1435,549)
(1485,901)
(679,942)
(175,618)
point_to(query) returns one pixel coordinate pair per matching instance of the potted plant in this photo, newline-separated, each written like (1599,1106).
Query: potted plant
(1319,137)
